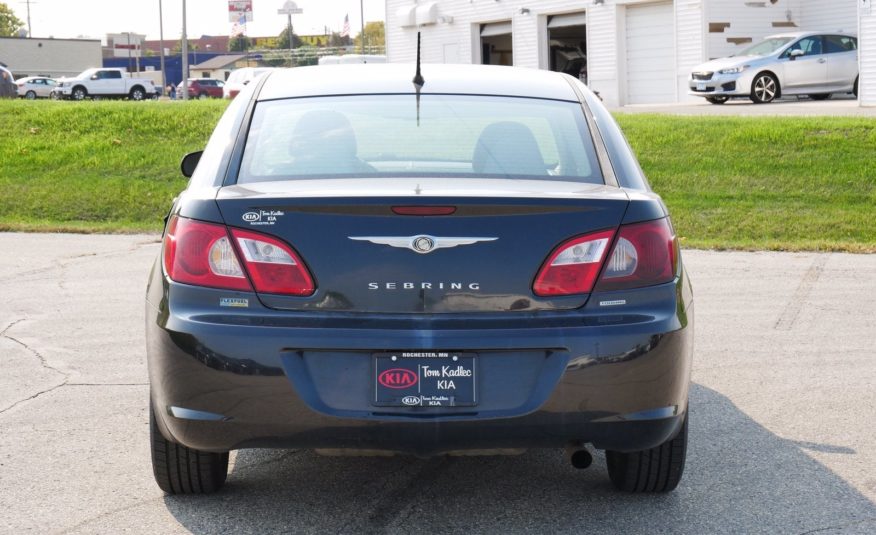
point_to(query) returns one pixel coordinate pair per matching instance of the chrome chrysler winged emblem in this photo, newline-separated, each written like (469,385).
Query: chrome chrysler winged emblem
(421,243)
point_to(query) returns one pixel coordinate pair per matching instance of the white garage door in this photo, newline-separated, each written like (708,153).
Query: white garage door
(650,53)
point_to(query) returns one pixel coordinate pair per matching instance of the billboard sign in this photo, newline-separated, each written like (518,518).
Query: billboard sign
(238,9)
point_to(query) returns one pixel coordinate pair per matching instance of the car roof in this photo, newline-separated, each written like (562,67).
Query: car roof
(797,35)
(369,79)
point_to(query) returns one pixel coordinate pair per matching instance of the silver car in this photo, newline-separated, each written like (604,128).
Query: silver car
(817,64)
(34,87)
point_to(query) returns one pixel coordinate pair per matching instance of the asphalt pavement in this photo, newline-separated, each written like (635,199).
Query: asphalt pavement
(782,436)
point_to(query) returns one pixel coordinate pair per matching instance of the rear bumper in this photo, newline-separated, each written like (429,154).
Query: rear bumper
(265,378)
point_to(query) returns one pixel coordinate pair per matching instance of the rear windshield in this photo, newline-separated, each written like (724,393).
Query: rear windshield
(397,136)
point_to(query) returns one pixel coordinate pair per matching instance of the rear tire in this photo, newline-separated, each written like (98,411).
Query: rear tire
(820,96)
(855,87)
(717,100)
(765,88)
(202,96)
(182,470)
(656,470)
(30,95)
(138,93)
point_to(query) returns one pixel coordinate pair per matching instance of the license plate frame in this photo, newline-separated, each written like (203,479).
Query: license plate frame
(701,87)
(443,379)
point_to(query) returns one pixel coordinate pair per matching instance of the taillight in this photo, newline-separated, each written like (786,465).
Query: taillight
(272,265)
(645,254)
(573,266)
(202,254)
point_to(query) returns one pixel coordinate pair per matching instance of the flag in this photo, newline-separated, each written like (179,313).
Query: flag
(239,27)
(346,31)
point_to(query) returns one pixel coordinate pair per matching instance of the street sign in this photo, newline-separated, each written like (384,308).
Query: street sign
(290,8)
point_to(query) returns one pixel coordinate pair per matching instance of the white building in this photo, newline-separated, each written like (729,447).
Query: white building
(637,51)
(49,57)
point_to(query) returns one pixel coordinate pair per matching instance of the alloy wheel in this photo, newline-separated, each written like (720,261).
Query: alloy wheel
(765,88)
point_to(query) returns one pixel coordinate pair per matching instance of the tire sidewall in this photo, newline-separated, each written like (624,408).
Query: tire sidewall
(757,78)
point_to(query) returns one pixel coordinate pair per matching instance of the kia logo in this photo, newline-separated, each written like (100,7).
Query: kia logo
(411,400)
(397,378)
(251,216)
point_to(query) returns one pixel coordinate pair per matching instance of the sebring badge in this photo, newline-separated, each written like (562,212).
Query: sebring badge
(420,244)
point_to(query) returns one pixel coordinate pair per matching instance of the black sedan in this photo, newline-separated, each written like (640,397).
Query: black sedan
(471,264)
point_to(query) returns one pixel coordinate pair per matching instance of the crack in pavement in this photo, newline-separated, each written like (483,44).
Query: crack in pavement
(840,526)
(795,305)
(43,362)
(63,262)
(108,513)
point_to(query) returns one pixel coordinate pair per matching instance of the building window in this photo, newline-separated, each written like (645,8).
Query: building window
(496,44)
(567,44)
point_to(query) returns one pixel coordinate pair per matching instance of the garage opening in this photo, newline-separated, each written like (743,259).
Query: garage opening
(496,44)
(567,44)
(650,44)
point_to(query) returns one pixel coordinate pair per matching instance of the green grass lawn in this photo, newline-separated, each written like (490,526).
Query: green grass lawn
(731,182)
(96,166)
(779,183)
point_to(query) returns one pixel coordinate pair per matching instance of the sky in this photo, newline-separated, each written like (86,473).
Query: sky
(95,18)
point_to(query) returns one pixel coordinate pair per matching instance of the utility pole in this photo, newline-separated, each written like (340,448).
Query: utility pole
(29,30)
(362,15)
(185,56)
(161,46)
(129,51)
(290,8)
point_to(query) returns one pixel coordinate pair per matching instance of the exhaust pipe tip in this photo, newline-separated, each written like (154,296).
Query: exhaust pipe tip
(581,459)
(578,456)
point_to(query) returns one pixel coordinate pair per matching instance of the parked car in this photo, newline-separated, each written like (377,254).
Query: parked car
(33,87)
(104,83)
(8,89)
(476,270)
(239,78)
(817,64)
(203,88)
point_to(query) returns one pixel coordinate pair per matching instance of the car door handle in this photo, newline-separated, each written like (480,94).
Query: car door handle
(821,60)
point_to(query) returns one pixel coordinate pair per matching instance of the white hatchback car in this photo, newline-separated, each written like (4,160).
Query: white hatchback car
(816,64)
(35,87)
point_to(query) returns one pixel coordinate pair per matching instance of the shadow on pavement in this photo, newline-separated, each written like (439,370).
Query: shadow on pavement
(740,478)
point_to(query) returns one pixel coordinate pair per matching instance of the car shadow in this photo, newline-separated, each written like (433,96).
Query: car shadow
(739,478)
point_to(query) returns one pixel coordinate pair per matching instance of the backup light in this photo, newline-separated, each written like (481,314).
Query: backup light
(573,266)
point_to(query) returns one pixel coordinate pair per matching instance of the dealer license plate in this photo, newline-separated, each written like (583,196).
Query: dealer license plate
(425,379)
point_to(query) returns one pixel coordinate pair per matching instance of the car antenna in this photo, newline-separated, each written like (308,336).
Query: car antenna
(419,81)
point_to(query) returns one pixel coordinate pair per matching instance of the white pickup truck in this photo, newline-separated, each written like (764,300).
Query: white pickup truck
(109,83)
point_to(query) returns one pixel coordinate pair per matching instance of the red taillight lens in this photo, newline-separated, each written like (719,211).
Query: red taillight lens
(645,254)
(573,266)
(202,254)
(272,265)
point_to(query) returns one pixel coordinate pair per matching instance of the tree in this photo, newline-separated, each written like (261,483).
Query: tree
(375,35)
(336,40)
(239,43)
(177,48)
(283,40)
(9,23)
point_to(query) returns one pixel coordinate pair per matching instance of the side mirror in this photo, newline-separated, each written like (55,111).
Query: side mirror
(796,53)
(189,163)
(94,77)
